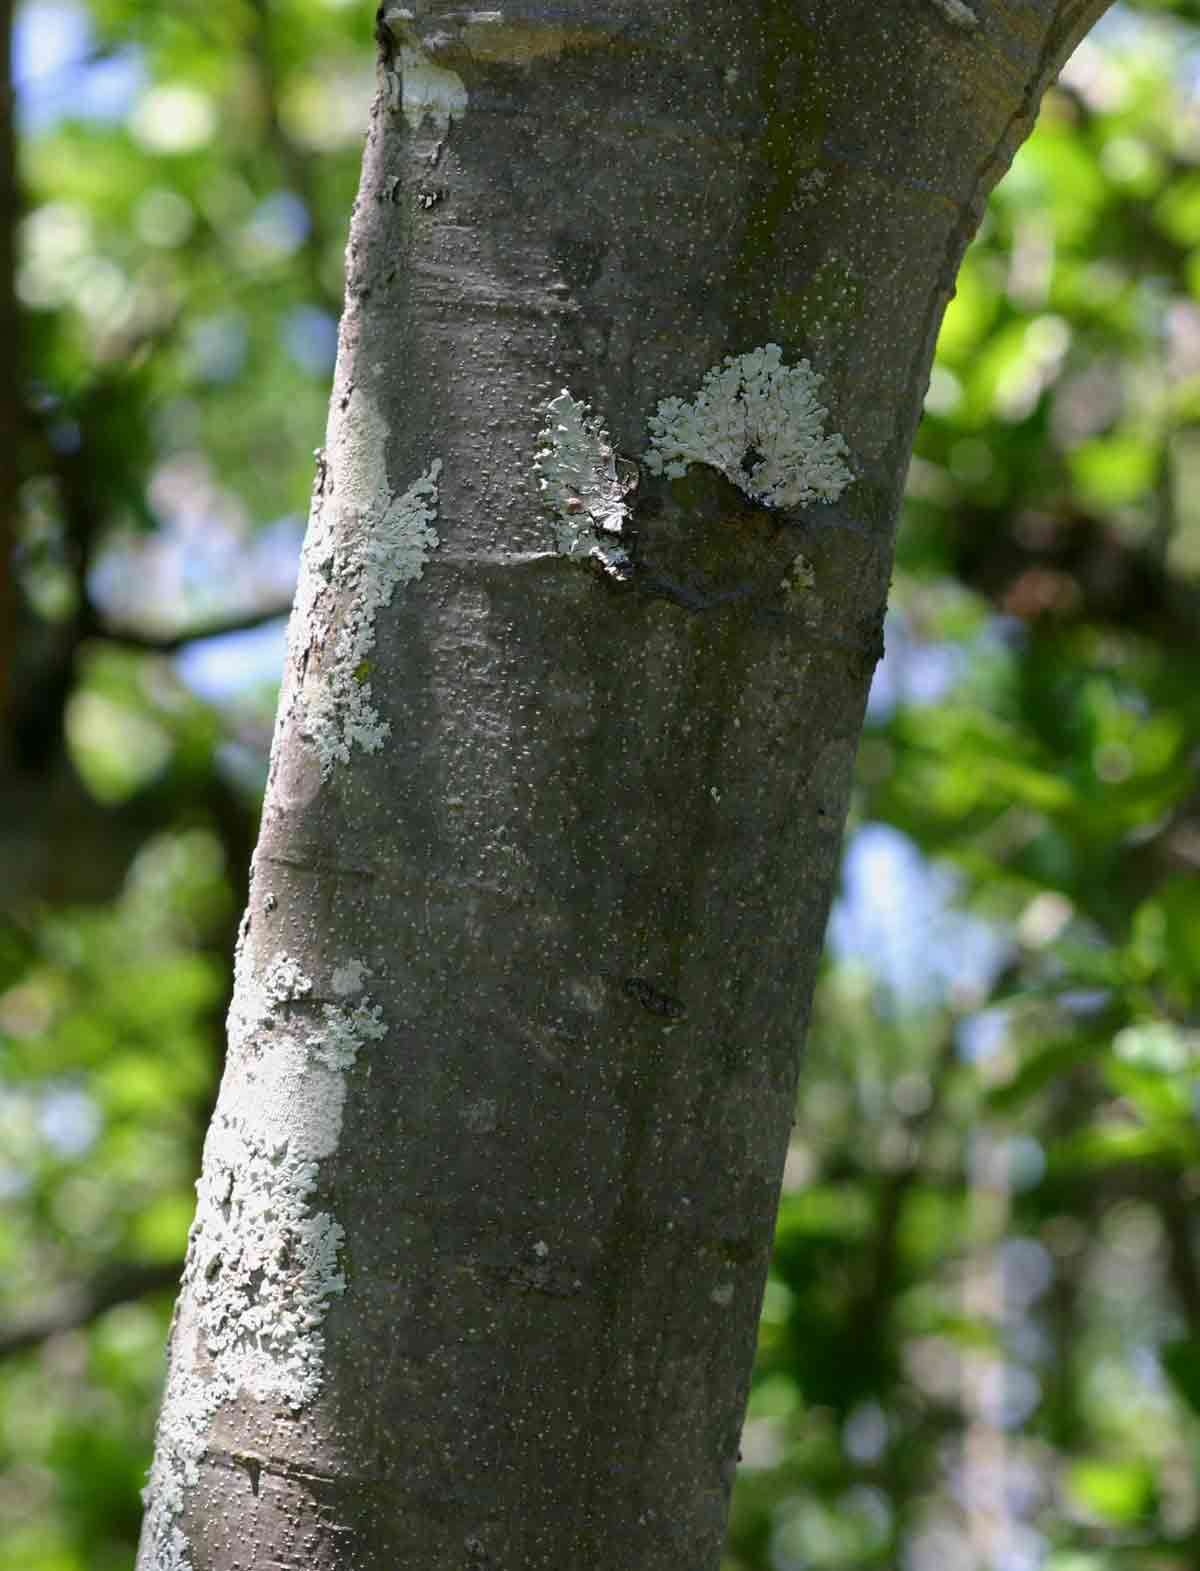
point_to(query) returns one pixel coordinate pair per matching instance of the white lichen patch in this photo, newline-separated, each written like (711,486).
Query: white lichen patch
(576,466)
(422,89)
(285,980)
(762,425)
(363,545)
(955,12)
(263,1257)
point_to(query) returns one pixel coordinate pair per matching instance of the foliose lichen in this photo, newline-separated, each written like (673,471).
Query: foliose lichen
(389,549)
(762,425)
(362,544)
(576,466)
(263,1259)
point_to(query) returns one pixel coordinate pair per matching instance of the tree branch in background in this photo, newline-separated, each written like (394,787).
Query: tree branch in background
(1175,1214)
(170,643)
(1074,568)
(80,1304)
(295,166)
(878,1293)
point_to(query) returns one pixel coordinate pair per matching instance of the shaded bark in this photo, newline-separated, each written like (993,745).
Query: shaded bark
(489,1191)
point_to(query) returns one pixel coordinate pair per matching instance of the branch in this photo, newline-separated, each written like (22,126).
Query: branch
(294,165)
(1071,565)
(83,1302)
(1183,1272)
(879,1291)
(169,643)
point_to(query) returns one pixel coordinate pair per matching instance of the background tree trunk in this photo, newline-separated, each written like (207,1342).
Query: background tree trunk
(559,775)
(10,377)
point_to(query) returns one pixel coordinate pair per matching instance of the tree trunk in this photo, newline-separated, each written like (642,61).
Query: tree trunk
(641,302)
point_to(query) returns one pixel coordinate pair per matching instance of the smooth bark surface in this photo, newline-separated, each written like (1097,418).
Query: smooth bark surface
(549,838)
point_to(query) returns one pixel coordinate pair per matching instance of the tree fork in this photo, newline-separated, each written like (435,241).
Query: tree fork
(561,767)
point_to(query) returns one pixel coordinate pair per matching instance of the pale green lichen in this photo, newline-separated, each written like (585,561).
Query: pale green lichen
(576,466)
(761,424)
(342,1033)
(383,544)
(348,978)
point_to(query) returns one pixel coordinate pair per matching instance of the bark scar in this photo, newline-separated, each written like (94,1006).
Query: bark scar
(653,999)
(254,1468)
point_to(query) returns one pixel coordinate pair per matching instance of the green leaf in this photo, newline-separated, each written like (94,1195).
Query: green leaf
(1166,933)
(1111,471)
(1115,1491)
(1178,212)
(1181,1360)
(825,1211)
(1042,1067)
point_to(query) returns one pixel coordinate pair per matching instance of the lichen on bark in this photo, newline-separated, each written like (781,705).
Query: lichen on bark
(363,544)
(263,1257)
(576,467)
(760,424)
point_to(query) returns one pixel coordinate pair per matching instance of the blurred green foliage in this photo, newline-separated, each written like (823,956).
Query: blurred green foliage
(980,1342)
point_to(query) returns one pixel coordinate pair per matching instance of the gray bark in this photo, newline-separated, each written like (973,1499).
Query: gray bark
(561,769)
